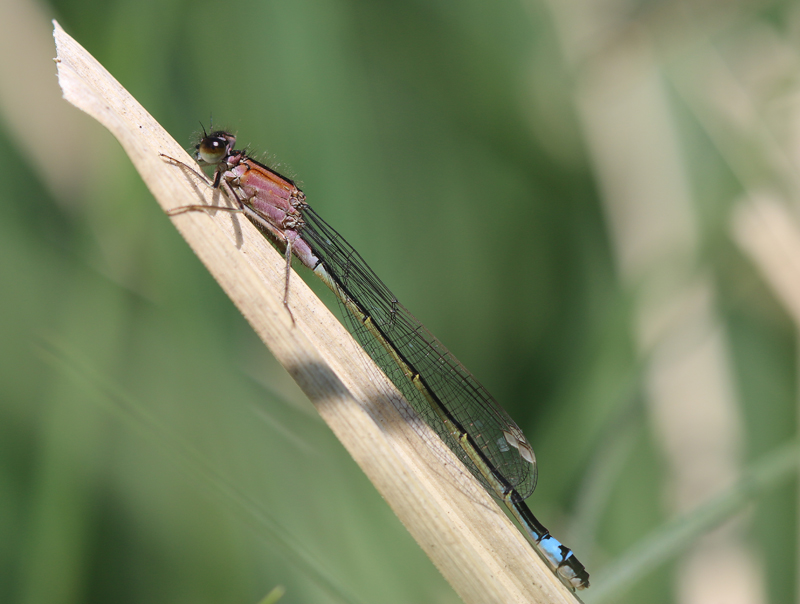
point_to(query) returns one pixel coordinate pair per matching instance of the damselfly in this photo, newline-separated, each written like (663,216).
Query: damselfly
(439,388)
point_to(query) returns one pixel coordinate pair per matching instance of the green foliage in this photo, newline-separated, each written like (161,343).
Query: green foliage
(152,451)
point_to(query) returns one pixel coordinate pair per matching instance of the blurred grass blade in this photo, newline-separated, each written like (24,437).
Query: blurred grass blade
(624,431)
(103,391)
(680,533)
(275,594)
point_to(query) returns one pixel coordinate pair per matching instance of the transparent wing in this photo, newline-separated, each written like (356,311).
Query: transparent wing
(494,432)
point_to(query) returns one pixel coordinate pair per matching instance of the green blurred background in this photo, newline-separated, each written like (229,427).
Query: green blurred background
(566,193)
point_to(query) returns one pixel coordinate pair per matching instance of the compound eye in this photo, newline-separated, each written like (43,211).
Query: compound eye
(212,150)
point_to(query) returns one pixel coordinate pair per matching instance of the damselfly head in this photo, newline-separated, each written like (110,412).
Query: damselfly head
(213,147)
